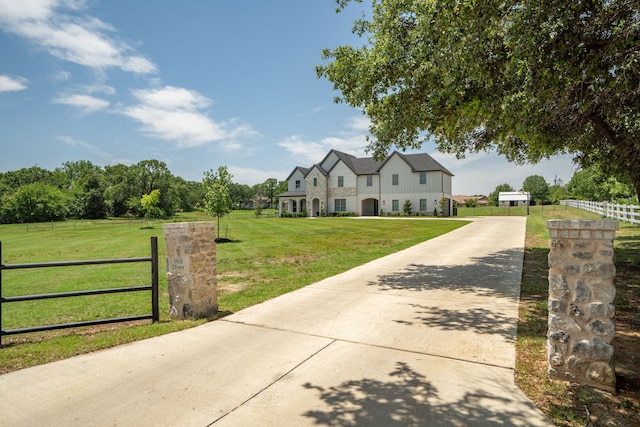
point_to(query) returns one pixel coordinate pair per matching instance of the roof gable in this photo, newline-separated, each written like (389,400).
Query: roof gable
(421,162)
(302,170)
(318,168)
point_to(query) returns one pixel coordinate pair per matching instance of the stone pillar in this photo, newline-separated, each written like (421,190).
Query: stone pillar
(581,294)
(191,269)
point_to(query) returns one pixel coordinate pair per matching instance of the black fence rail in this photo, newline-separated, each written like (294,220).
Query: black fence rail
(153,288)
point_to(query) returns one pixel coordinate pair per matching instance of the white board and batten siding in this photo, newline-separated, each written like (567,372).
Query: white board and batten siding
(297,177)
(348,191)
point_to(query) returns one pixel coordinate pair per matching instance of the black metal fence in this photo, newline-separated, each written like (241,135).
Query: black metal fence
(153,287)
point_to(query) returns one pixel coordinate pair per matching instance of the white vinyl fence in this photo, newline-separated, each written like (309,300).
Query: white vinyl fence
(627,213)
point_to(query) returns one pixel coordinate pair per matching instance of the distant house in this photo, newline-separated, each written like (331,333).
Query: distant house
(461,200)
(366,187)
(513,198)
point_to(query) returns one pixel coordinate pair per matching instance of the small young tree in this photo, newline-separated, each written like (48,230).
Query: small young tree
(406,209)
(444,204)
(149,203)
(217,200)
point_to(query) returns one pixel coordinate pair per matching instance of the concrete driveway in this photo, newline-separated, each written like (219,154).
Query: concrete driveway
(423,337)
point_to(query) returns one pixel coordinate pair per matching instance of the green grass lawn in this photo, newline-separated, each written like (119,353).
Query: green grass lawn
(267,257)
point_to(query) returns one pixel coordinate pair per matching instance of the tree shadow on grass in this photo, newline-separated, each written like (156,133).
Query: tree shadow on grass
(409,399)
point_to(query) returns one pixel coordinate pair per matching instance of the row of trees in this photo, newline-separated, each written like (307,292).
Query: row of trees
(585,184)
(83,190)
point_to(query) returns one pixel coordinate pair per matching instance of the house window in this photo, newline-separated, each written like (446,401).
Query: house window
(395,205)
(394,179)
(423,205)
(340,205)
(369,181)
(341,181)
(423,177)
(315,182)
(297,184)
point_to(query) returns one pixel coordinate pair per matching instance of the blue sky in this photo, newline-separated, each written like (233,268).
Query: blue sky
(196,84)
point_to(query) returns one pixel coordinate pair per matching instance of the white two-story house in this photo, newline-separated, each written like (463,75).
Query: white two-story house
(366,187)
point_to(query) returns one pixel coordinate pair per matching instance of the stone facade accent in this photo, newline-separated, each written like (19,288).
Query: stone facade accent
(581,294)
(191,269)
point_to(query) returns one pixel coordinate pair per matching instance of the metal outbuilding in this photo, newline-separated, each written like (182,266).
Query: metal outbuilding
(514,198)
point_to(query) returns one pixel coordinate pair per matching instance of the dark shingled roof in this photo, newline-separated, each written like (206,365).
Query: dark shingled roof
(304,171)
(292,194)
(421,162)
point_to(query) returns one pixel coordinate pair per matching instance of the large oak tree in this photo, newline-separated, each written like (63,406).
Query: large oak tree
(528,78)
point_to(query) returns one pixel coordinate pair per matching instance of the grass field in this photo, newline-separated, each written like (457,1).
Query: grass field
(266,257)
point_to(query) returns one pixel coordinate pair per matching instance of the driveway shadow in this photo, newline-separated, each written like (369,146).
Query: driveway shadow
(496,274)
(479,320)
(408,399)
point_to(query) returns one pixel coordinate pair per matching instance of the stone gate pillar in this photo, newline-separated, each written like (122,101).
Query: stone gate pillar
(581,294)
(191,269)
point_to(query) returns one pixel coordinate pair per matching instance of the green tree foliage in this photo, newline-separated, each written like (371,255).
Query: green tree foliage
(592,184)
(88,195)
(527,78)
(93,192)
(35,202)
(558,192)
(283,187)
(217,200)
(240,194)
(120,188)
(270,187)
(12,180)
(150,203)
(149,175)
(492,200)
(186,195)
(538,189)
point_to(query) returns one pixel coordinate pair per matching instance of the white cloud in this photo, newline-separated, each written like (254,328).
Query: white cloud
(352,140)
(99,88)
(305,151)
(61,76)
(359,123)
(175,114)
(87,103)
(171,97)
(12,84)
(56,26)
